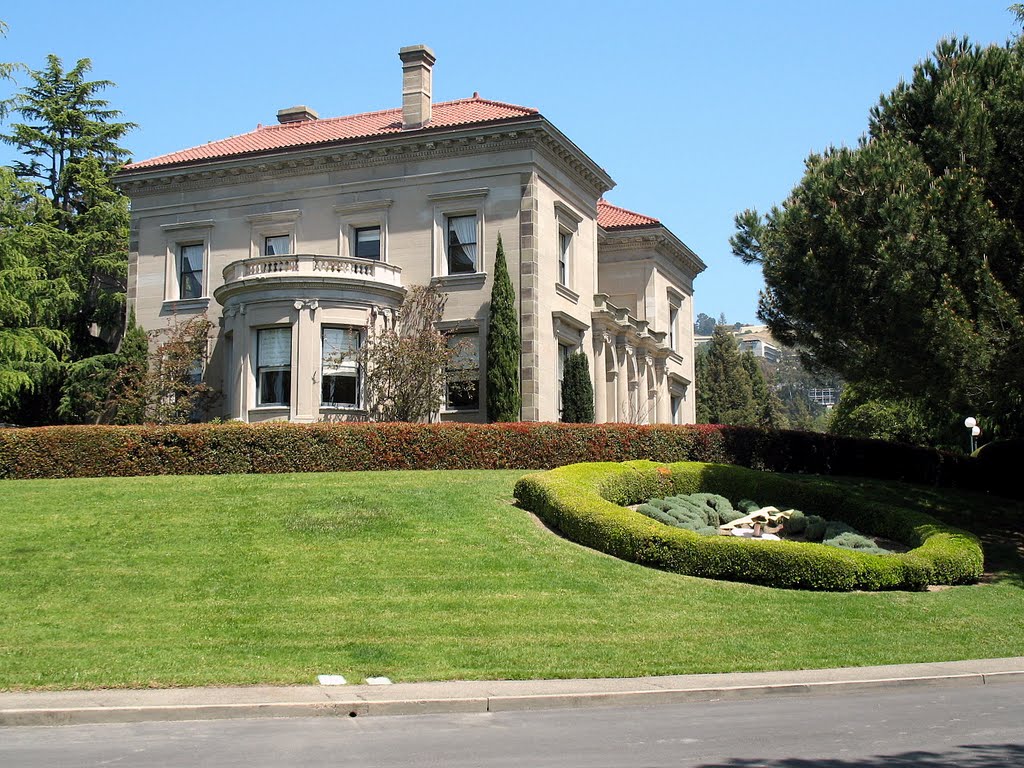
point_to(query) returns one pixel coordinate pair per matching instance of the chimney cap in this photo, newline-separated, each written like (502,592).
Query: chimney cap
(411,53)
(297,114)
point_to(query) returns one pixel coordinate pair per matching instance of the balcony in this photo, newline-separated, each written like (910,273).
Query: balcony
(309,271)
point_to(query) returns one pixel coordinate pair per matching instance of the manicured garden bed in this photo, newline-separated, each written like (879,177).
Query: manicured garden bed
(588,502)
(167,581)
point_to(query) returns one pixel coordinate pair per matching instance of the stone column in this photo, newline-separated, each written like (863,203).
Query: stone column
(530,368)
(600,378)
(622,383)
(662,394)
(306,365)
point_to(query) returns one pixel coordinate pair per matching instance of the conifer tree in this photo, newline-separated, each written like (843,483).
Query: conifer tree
(503,346)
(724,392)
(768,412)
(577,390)
(897,263)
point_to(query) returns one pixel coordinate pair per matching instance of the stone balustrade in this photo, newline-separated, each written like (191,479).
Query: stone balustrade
(312,265)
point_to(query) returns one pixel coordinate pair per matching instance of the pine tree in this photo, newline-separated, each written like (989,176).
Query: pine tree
(897,263)
(768,411)
(30,302)
(724,391)
(577,390)
(68,139)
(503,346)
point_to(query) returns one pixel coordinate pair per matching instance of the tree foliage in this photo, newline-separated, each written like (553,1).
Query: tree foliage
(577,390)
(503,346)
(30,301)
(897,263)
(768,412)
(724,391)
(405,359)
(67,137)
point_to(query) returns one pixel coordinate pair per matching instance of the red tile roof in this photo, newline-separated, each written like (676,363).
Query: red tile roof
(269,138)
(613,217)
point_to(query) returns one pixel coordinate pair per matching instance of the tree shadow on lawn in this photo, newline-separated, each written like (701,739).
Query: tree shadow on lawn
(968,756)
(997,521)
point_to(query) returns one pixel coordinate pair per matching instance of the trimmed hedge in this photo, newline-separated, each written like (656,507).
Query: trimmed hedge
(91,451)
(586,502)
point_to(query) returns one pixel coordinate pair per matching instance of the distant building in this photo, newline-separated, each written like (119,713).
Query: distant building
(750,338)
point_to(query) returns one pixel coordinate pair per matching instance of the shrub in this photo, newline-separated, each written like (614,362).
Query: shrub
(815,528)
(585,501)
(796,523)
(235,447)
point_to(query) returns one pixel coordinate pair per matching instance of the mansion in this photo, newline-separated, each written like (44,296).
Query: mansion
(296,236)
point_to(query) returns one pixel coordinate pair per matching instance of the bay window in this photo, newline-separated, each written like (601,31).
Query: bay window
(339,368)
(274,366)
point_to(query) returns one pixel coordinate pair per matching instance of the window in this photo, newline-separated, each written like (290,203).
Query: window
(677,409)
(367,243)
(190,271)
(461,240)
(464,372)
(564,350)
(564,252)
(277,245)
(339,369)
(673,326)
(274,366)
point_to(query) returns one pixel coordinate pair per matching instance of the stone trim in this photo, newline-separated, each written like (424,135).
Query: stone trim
(529,298)
(536,134)
(201,224)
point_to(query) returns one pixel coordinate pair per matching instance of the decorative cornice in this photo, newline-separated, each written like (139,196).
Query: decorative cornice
(201,224)
(275,217)
(303,161)
(362,207)
(658,239)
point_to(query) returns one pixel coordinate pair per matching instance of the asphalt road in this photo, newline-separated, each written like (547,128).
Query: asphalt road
(974,727)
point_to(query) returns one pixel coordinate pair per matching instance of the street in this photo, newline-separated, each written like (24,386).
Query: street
(976,727)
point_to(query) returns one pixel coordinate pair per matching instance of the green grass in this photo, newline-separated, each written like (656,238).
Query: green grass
(167,581)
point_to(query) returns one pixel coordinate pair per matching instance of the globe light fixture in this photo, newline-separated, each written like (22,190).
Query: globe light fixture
(972,429)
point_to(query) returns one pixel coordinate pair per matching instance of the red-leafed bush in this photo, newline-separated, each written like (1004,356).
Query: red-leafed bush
(243,448)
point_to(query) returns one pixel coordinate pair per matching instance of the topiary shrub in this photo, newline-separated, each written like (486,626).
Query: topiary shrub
(585,502)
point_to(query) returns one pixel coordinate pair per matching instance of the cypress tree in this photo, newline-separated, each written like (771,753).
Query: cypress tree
(724,392)
(503,346)
(577,391)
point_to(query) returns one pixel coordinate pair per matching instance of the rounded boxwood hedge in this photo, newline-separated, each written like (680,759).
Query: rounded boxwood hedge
(586,503)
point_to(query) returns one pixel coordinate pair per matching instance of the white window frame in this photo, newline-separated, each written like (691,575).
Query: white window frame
(291,367)
(358,404)
(675,311)
(449,205)
(362,215)
(564,349)
(460,335)
(567,228)
(276,224)
(177,236)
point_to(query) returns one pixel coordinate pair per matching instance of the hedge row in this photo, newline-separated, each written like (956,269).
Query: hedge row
(243,448)
(586,502)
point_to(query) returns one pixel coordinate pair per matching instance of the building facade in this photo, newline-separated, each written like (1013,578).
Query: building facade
(295,238)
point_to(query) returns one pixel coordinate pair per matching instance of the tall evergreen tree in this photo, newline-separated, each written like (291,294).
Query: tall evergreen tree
(724,391)
(897,263)
(30,302)
(503,346)
(68,139)
(577,390)
(768,411)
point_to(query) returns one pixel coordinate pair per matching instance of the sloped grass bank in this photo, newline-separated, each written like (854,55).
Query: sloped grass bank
(586,502)
(168,581)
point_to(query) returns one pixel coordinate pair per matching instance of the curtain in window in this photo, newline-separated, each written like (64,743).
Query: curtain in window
(462,244)
(339,349)
(275,347)
(191,275)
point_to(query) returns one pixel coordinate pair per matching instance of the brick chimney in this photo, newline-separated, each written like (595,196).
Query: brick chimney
(300,114)
(417,63)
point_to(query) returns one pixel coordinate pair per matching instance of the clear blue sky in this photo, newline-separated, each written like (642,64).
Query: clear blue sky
(697,110)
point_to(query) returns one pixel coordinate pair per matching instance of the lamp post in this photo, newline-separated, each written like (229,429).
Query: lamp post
(973,429)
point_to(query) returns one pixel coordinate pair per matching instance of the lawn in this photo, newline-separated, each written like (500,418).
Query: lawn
(168,581)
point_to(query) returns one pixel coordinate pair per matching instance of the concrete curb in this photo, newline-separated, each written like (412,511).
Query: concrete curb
(135,706)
